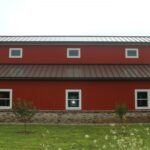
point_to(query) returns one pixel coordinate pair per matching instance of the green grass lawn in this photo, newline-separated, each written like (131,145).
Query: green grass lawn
(73,137)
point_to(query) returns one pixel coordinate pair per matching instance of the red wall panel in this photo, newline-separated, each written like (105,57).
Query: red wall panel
(90,54)
(96,95)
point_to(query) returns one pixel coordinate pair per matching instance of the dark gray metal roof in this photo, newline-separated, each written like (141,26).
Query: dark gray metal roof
(74,39)
(75,72)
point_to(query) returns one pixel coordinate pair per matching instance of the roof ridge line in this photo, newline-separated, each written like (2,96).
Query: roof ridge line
(73,36)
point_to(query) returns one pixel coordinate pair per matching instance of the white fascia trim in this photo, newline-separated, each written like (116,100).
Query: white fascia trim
(131,49)
(80,99)
(79,52)
(142,90)
(10,91)
(11,49)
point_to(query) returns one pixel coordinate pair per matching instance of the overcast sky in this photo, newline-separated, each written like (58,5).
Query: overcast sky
(75,17)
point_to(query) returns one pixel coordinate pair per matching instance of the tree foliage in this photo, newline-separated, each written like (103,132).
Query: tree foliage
(24,111)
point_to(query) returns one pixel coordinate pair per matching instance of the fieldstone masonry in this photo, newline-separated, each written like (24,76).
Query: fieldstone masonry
(79,117)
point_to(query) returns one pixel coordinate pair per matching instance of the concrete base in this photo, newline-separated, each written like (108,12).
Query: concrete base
(79,117)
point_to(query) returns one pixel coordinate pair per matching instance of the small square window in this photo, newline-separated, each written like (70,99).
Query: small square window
(73,53)
(15,53)
(73,99)
(5,99)
(142,99)
(131,53)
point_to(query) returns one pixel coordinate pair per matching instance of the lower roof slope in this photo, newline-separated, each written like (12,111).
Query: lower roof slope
(74,72)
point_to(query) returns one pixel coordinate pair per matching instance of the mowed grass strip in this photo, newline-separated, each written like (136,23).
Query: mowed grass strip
(66,137)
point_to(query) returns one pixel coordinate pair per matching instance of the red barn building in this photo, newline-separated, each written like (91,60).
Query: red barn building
(75,72)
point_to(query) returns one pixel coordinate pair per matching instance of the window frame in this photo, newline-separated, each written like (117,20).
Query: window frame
(79,52)
(131,49)
(80,99)
(136,98)
(10,52)
(10,94)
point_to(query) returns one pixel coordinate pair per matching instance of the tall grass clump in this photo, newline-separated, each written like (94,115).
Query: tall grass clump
(121,111)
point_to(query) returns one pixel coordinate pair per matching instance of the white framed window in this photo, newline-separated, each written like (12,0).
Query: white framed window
(5,98)
(131,53)
(73,99)
(73,53)
(15,53)
(142,99)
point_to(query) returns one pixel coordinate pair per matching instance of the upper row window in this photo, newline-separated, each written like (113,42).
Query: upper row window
(15,53)
(131,53)
(73,52)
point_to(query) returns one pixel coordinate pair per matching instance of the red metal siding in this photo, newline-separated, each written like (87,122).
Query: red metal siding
(96,95)
(90,54)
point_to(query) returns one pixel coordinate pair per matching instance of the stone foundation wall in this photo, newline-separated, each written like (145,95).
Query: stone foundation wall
(71,117)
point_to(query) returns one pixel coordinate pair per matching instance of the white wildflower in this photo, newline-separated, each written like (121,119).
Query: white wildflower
(106,137)
(147,129)
(114,132)
(47,131)
(104,146)
(86,136)
(148,133)
(115,137)
(141,141)
(135,130)
(95,141)
(132,134)
(112,145)
(112,124)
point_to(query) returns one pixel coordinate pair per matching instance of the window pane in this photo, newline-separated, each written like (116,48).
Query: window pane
(73,53)
(15,53)
(132,53)
(4,102)
(142,103)
(73,95)
(73,103)
(4,94)
(142,95)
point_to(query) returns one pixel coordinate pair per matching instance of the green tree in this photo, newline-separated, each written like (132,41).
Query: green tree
(24,112)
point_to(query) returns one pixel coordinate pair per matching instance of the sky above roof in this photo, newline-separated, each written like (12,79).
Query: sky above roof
(75,17)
